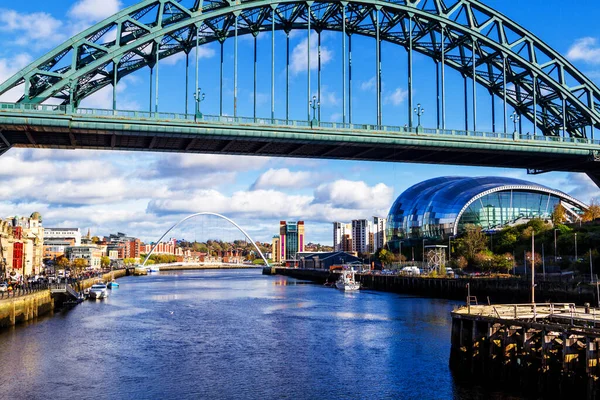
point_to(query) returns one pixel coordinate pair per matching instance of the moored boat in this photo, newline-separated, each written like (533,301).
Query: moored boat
(98,291)
(347,281)
(112,285)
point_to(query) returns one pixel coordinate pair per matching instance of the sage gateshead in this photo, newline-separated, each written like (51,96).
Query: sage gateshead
(442,207)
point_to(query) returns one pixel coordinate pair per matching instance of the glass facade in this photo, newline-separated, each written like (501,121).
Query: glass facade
(430,209)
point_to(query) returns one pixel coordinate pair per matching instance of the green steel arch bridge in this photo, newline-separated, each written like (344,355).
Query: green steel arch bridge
(523,79)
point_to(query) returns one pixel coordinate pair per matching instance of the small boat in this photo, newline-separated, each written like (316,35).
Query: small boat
(347,282)
(153,269)
(112,285)
(98,291)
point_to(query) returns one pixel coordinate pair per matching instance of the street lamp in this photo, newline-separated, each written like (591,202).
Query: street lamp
(199,97)
(401,251)
(419,111)
(314,104)
(555,258)
(515,119)
(576,248)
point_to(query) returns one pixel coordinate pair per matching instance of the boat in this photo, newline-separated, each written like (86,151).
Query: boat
(347,282)
(98,291)
(153,269)
(112,285)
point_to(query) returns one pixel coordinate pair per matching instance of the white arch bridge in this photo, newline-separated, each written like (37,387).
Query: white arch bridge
(212,214)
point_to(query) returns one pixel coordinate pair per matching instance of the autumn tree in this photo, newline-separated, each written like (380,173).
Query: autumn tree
(105,261)
(592,212)
(559,215)
(79,264)
(63,262)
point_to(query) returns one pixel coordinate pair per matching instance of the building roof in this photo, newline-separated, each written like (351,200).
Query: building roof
(451,195)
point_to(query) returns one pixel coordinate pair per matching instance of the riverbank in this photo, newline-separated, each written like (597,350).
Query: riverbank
(494,290)
(22,309)
(18,310)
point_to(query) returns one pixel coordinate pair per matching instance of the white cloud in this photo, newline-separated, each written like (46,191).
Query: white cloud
(282,178)
(39,30)
(396,98)
(354,194)
(94,10)
(299,61)
(9,67)
(585,49)
(203,52)
(328,98)
(368,85)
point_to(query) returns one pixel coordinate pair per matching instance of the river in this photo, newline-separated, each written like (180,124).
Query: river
(235,334)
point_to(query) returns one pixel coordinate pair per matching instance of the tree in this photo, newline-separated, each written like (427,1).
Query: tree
(537,261)
(474,241)
(95,239)
(63,262)
(105,261)
(503,262)
(559,215)
(484,260)
(80,263)
(592,212)
(384,256)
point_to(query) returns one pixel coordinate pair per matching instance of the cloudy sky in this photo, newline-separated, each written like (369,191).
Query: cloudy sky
(143,194)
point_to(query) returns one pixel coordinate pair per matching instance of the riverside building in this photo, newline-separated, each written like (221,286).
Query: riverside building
(442,207)
(289,242)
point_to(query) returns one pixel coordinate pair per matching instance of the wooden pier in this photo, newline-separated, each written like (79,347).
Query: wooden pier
(552,349)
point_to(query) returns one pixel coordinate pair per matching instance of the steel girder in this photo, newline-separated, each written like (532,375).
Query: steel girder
(540,83)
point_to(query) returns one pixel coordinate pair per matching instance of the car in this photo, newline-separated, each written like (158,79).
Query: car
(3,287)
(411,270)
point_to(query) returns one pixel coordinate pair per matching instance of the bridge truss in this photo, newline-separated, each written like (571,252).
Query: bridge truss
(484,46)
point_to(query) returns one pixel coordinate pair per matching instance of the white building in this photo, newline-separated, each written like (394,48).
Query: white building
(340,229)
(72,235)
(379,238)
(361,236)
(92,254)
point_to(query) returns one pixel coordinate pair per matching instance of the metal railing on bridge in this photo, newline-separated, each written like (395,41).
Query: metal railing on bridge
(278,122)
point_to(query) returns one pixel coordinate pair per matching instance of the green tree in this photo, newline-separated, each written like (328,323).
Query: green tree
(105,261)
(503,262)
(385,257)
(95,239)
(473,242)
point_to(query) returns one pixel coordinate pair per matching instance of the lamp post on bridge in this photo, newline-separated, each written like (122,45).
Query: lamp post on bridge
(515,119)
(419,111)
(199,97)
(314,104)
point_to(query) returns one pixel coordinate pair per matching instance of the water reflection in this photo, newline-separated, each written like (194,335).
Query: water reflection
(234,334)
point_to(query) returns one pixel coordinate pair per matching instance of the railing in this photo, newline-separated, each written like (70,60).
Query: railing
(23,290)
(558,311)
(277,122)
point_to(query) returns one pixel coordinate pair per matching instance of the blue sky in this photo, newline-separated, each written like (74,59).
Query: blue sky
(143,194)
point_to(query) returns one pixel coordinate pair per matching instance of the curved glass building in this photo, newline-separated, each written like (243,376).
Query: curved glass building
(441,207)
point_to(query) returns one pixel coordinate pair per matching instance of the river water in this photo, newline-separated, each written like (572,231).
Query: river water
(235,334)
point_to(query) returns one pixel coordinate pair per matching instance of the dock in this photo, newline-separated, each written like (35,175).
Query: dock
(550,348)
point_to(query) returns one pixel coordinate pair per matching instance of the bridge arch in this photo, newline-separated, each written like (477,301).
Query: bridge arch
(206,213)
(480,43)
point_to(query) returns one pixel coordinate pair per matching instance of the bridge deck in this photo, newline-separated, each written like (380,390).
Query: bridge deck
(42,126)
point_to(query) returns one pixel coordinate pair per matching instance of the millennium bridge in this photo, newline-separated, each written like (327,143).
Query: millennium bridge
(524,81)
